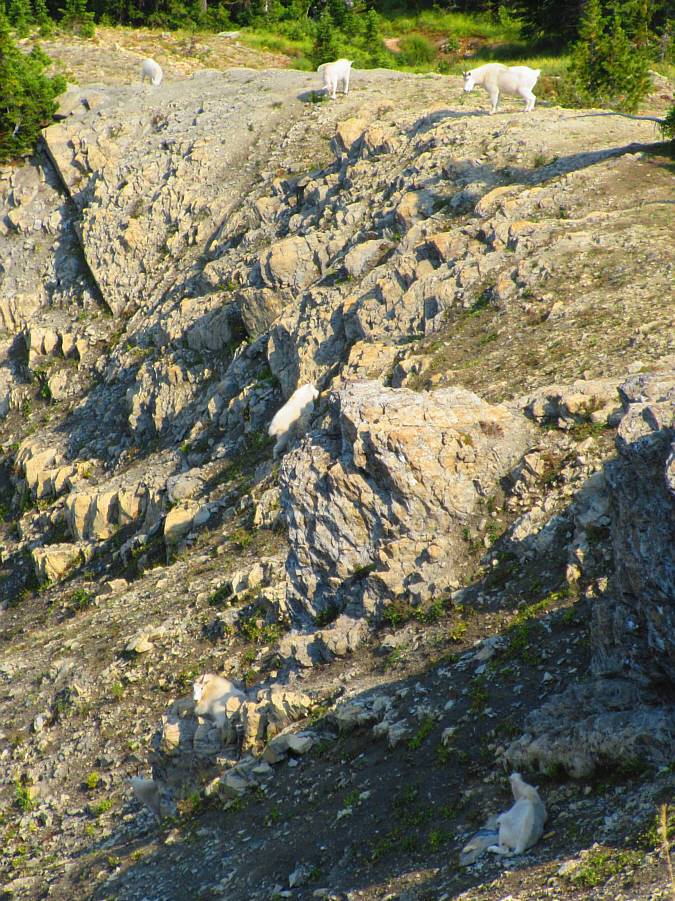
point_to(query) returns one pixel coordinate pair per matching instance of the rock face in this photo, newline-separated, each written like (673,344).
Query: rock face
(186,747)
(603,723)
(634,628)
(176,263)
(627,713)
(376,503)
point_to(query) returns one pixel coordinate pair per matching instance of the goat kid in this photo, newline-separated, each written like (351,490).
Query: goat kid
(216,697)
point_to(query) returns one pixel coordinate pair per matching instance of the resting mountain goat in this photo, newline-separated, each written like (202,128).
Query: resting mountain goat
(292,418)
(522,825)
(216,697)
(495,78)
(334,73)
(152,71)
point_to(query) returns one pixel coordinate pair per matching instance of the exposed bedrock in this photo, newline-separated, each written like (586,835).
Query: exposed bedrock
(626,713)
(634,625)
(376,502)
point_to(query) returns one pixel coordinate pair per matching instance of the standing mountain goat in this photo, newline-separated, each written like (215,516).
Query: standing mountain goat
(496,78)
(334,73)
(292,419)
(152,71)
(522,825)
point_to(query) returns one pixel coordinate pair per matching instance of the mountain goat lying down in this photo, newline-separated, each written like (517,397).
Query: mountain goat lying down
(152,71)
(523,824)
(216,697)
(293,418)
(496,78)
(334,73)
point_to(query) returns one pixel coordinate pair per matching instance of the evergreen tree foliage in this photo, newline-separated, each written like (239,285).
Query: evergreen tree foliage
(378,55)
(325,48)
(78,18)
(337,11)
(607,67)
(45,24)
(548,20)
(559,23)
(27,97)
(20,16)
(370,30)
(668,126)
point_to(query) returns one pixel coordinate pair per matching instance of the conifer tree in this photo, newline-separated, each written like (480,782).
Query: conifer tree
(607,67)
(45,24)
(20,16)
(338,12)
(668,126)
(27,97)
(325,47)
(78,19)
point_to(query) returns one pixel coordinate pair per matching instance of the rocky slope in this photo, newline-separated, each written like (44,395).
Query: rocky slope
(467,563)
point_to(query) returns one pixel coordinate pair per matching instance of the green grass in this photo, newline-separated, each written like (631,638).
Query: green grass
(426,727)
(296,49)
(601,864)
(452,24)
(500,34)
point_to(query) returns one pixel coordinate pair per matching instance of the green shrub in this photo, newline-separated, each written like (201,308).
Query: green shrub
(607,66)
(24,798)
(328,615)
(415,50)
(78,19)
(668,126)
(28,97)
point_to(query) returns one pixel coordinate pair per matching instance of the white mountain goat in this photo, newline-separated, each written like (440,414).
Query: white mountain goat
(523,824)
(496,78)
(292,419)
(334,73)
(152,71)
(216,697)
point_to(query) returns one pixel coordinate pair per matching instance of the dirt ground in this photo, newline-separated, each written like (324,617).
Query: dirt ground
(356,819)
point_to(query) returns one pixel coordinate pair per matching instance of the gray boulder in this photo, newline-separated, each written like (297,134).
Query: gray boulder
(376,503)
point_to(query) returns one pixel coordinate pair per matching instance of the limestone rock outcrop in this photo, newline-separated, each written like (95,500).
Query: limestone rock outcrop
(377,501)
(634,626)
(186,745)
(626,713)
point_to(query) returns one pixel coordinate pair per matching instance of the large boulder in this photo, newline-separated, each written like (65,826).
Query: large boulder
(377,502)
(290,262)
(593,725)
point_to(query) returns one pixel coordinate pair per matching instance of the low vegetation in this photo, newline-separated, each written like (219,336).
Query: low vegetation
(28,95)
(598,54)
